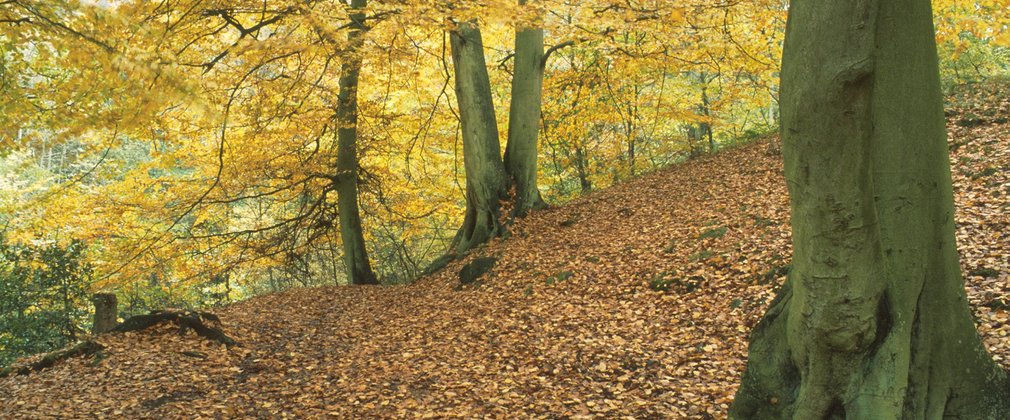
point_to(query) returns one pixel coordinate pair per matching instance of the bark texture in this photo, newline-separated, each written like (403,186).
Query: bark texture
(359,270)
(873,322)
(524,119)
(105,312)
(486,181)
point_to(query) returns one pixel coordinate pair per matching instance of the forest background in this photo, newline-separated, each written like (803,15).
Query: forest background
(181,154)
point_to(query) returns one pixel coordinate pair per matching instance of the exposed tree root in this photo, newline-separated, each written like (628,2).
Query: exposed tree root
(187,320)
(84,348)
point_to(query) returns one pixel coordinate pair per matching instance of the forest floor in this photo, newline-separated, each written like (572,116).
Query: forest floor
(634,301)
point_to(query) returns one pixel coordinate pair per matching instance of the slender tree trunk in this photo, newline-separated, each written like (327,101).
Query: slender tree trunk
(524,119)
(486,181)
(580,167)
(631,152)
(630,134)
(706,127)
(359,271)
(873,322)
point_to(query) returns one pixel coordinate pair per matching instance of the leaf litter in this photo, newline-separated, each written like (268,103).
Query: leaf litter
(634,301)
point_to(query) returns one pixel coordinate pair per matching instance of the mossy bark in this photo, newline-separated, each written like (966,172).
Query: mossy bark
(359,270)
(524,119)
(874,322)
(486,181)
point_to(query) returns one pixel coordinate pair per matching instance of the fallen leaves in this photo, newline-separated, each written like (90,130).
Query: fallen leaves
(564,324)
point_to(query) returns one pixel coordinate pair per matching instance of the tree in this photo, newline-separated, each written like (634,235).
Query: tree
(490,178)
(486,182)
(355,254)
(524,118)
(873,321)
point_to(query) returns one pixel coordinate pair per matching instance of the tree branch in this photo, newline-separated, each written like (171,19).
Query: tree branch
(16,21)
(551,50)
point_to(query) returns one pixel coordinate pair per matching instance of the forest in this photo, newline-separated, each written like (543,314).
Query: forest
(532,208)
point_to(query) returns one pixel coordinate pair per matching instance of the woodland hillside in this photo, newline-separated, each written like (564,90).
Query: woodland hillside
(632,301)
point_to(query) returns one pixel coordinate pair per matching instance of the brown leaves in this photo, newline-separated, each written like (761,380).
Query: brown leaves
(565,324)
(980,157)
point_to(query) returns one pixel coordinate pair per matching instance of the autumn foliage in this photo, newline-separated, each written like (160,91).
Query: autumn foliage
(635,300)
(188,152)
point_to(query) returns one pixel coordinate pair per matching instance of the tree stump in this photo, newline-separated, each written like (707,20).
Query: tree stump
(105,312)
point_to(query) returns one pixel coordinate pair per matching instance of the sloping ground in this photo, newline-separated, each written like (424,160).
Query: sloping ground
(633,301)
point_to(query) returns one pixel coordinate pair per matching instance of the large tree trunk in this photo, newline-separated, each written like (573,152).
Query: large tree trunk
(359,271)
(486,181)
(873,322)
(524,119)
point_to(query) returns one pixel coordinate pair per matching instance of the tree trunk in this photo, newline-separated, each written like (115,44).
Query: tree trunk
(631,153)
(105,312)
(693,141)
(580,167)
(359,271)
(486,181)
(873,322)
(524,119)
(706,127)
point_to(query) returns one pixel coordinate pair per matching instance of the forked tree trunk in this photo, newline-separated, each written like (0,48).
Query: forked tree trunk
(486,181)
(524,119)
(873,323)
(359,271)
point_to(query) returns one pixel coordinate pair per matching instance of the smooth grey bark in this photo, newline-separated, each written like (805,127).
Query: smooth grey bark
(873,321)
(486,180)
(524,119)
(359,271)
(491,179)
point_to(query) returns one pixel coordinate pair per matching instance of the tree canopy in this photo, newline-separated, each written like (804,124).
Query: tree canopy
(194,153)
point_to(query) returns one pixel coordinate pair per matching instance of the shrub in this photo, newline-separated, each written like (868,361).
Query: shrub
(43,298)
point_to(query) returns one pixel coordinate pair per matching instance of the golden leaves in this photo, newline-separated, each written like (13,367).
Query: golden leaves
(597,343)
